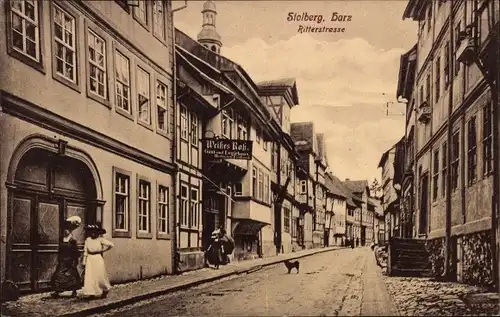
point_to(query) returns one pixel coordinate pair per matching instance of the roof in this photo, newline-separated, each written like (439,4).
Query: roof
(302,134)
(378,204)
(416,9)
(321,155)
(334,185)
(288,83)
(209,6)
(358,186)
(384,157)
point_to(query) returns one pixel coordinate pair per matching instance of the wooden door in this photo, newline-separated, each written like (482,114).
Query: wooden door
(34,241)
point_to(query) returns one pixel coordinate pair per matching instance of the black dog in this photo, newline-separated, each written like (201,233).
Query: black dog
(290,265)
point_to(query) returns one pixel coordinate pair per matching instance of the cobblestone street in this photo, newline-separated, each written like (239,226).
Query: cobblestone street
(329,284)
(425,297)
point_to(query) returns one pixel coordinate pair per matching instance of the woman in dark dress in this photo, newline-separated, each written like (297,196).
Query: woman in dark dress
(66,276)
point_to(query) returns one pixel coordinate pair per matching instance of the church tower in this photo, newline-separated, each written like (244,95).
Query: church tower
(208,35)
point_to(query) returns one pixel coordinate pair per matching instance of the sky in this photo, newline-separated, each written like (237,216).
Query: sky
(344,80)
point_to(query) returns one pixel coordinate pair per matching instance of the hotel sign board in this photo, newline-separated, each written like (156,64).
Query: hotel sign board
(214,148)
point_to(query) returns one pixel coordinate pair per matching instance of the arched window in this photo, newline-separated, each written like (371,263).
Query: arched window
(214,49)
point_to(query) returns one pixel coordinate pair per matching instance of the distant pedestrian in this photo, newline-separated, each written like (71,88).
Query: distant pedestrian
(96,281)
(352,243)
(66,276)
(357,242)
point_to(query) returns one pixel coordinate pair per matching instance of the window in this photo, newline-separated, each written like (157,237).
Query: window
(238,189)
(141,12)
(435,177)
(159,19)
(428,89)
(143,96)
(163,215)
(294,227)
(429,18)
(455,160)
(265,145)
(458,28)
(422,94)
(194,129)
(122,73)
(64,33)
(254,182)
(242,133)
(25,33)
(446,64)
(184,206)
(261,185)
(121,202)
(438,78)
(303,187)
(257,134)
(97,65)
(444,171)
(193,212)
(286,219)
(227,123)
(144,207)
(184,123)
(266,189)
(161,106)
(487,137)
(471,151)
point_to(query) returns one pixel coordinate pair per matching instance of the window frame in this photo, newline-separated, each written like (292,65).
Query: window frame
(435,174)
(472,150)
(161,38)
(143,22)
(127,232)
(161,235)
(143,234)
(184,202)
(260,182)
(444,169)
(194,126)
(437,79)
(184,128)
(61,78)
(236,192)
(446,69)
(89,26)
(138,70)
(455,161)
(194,215)
(287,229)
(255,182)
(303,187)
(120,110)
(487,140)
(159,130)
(38,64)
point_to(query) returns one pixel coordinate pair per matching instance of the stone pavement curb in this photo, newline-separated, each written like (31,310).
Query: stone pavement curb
(189,284)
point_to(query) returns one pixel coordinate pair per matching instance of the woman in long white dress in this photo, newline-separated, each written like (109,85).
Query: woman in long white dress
(96,281)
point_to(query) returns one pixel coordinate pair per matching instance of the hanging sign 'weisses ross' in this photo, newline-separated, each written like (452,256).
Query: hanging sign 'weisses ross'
(227,149)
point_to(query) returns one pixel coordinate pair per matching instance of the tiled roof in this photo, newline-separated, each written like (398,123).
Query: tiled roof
(377,204)
(320,137)
(334,185)
(358,186)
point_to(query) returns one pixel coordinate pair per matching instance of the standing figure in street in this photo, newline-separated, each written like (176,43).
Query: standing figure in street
(66,276)
(96,281)
(357,242)
(214,253)
(352,243)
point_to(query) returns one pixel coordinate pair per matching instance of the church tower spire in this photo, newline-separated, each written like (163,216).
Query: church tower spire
(208,35)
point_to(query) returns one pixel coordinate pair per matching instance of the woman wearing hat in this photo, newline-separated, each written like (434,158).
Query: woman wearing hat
(66,277)
(96,282)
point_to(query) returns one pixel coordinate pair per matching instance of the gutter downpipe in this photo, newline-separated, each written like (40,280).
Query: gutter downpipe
(496,156)
(175,255)
(451,71)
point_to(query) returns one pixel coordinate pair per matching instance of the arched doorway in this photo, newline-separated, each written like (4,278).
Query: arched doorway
(47,187)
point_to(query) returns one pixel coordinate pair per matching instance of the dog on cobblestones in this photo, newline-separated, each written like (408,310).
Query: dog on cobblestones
(292,265)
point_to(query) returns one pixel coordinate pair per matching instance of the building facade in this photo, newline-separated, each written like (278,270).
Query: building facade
(280,97)
(337,208)
(87,129)
(454,161)
(364,211)
(304,137)
(321,229)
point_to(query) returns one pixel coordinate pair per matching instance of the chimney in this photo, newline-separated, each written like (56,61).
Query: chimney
(347,179)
